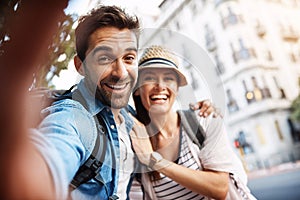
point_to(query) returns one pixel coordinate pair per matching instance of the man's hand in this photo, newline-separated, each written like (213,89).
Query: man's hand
(206,108)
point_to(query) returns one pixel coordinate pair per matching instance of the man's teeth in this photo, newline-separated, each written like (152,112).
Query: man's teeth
(117,87)
(156,97)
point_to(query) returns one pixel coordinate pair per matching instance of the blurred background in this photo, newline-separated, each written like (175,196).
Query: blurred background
(255,48)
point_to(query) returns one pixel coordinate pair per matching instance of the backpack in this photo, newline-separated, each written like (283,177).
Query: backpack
(42,98)
(237,190)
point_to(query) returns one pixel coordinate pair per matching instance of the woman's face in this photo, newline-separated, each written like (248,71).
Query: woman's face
(158,89)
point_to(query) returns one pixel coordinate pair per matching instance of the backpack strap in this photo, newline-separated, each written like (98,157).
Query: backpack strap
(193,128)
(91,167)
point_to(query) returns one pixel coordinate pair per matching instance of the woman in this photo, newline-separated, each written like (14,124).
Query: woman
(178,168)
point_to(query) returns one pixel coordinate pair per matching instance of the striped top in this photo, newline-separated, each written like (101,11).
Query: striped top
(166,188)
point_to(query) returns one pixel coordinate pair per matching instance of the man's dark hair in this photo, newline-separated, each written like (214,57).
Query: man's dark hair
(104,16)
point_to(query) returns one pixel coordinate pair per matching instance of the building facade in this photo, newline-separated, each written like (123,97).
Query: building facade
(255,47)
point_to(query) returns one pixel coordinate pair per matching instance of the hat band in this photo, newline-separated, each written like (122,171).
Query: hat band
(158,61)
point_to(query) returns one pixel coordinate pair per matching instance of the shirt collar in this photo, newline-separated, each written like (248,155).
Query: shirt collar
(94,106)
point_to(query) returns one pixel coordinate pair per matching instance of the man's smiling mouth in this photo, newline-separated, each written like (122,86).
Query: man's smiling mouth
(116,86)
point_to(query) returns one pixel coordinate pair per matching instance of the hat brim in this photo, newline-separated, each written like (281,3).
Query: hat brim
(182,79)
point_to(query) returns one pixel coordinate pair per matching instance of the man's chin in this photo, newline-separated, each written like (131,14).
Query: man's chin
(119,103)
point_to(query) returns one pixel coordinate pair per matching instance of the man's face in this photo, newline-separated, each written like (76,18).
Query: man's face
(110,67)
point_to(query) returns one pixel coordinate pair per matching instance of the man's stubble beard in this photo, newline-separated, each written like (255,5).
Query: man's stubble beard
(116,101)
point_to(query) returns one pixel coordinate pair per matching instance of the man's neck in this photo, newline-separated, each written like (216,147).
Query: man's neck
(116,113)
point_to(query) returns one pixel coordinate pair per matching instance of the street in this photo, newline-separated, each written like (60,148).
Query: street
(278,186)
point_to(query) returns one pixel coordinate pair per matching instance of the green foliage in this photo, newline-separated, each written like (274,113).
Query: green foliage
(295,109)
(63,44)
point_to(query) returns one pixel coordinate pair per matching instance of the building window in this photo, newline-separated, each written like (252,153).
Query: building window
(293,50)
(241,51)
(256,94)
(248,94)
(211,44)
(230,18)
(280,89)
(289,33)
(265,91)
(260,29)
(219,65)
(260,134)
(257,91)
(279,133)
(178,26)
(232,104)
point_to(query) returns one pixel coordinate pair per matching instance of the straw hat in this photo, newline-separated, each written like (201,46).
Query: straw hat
(159,57)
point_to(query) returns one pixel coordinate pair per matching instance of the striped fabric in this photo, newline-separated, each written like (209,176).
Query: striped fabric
(165,188)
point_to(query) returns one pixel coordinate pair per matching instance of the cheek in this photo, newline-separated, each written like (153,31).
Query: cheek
(133,72)
(97,73)
(174,88)
(144,94)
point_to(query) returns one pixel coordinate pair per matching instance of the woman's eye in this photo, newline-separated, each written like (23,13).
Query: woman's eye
(169,78)
(149,78)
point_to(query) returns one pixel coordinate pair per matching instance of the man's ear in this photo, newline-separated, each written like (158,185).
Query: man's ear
(79,65)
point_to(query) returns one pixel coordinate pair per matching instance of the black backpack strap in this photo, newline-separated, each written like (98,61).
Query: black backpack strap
(193,128)
(92,165)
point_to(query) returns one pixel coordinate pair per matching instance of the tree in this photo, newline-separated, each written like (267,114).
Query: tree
(60,52)
(61,49)
(295,110)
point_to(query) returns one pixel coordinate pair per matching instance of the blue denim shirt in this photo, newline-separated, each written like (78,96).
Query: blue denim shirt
(71,129)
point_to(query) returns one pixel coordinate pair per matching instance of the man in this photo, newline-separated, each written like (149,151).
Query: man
(106,44)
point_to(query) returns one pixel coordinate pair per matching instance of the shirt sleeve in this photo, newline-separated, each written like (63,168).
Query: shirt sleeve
(54,163)
(65,138)
(217,154)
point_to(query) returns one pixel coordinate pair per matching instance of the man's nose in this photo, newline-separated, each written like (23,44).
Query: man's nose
(119,69)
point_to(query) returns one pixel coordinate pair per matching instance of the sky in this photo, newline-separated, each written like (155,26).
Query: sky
(82,6)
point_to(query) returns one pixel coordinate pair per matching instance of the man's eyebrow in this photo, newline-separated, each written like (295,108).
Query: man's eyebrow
(131,49)
(101,48)
(109,49)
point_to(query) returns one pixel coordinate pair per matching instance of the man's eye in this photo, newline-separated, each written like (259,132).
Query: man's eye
(102,60)
(130,59)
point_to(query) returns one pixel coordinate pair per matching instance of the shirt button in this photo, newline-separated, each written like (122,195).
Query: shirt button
(107,110)
(112,126)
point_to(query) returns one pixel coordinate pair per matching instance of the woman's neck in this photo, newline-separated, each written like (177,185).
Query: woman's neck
(163,124)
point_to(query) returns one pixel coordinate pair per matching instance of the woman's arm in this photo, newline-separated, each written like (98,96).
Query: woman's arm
(208,183)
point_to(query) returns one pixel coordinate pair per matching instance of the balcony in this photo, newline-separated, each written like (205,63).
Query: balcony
(252,110)
(231,19)
(211,44)
(243,54)
(289,34)
(218,2)
(260,30)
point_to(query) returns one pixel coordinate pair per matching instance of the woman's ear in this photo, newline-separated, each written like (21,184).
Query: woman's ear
(137,92)
(79,65)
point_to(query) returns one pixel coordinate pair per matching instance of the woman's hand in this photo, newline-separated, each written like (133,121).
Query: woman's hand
(206,108)
(141,142)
